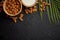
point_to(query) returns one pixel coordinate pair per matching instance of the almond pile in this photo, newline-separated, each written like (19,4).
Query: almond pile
(30,10)
(43,5)
(12,6)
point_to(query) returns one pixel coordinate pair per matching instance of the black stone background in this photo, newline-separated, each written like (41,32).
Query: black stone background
(32,28)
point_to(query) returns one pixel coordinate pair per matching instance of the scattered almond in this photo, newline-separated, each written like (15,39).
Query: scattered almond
(14,19)
(34,10)
(21,17)
(35,7)
(26,11)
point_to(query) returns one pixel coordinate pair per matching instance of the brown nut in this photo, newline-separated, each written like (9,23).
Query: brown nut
(21,17)
(14,19)
(26,11)
(13,7)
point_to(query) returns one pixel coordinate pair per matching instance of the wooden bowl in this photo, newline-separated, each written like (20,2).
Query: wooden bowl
(9,13)
(26,4)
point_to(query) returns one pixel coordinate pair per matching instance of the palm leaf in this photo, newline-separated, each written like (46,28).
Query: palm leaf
(53,13)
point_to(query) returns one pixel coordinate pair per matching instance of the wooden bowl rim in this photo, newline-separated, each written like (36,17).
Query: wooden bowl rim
(9,13)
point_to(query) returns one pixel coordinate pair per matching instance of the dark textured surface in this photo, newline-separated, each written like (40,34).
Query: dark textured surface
(32,28)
